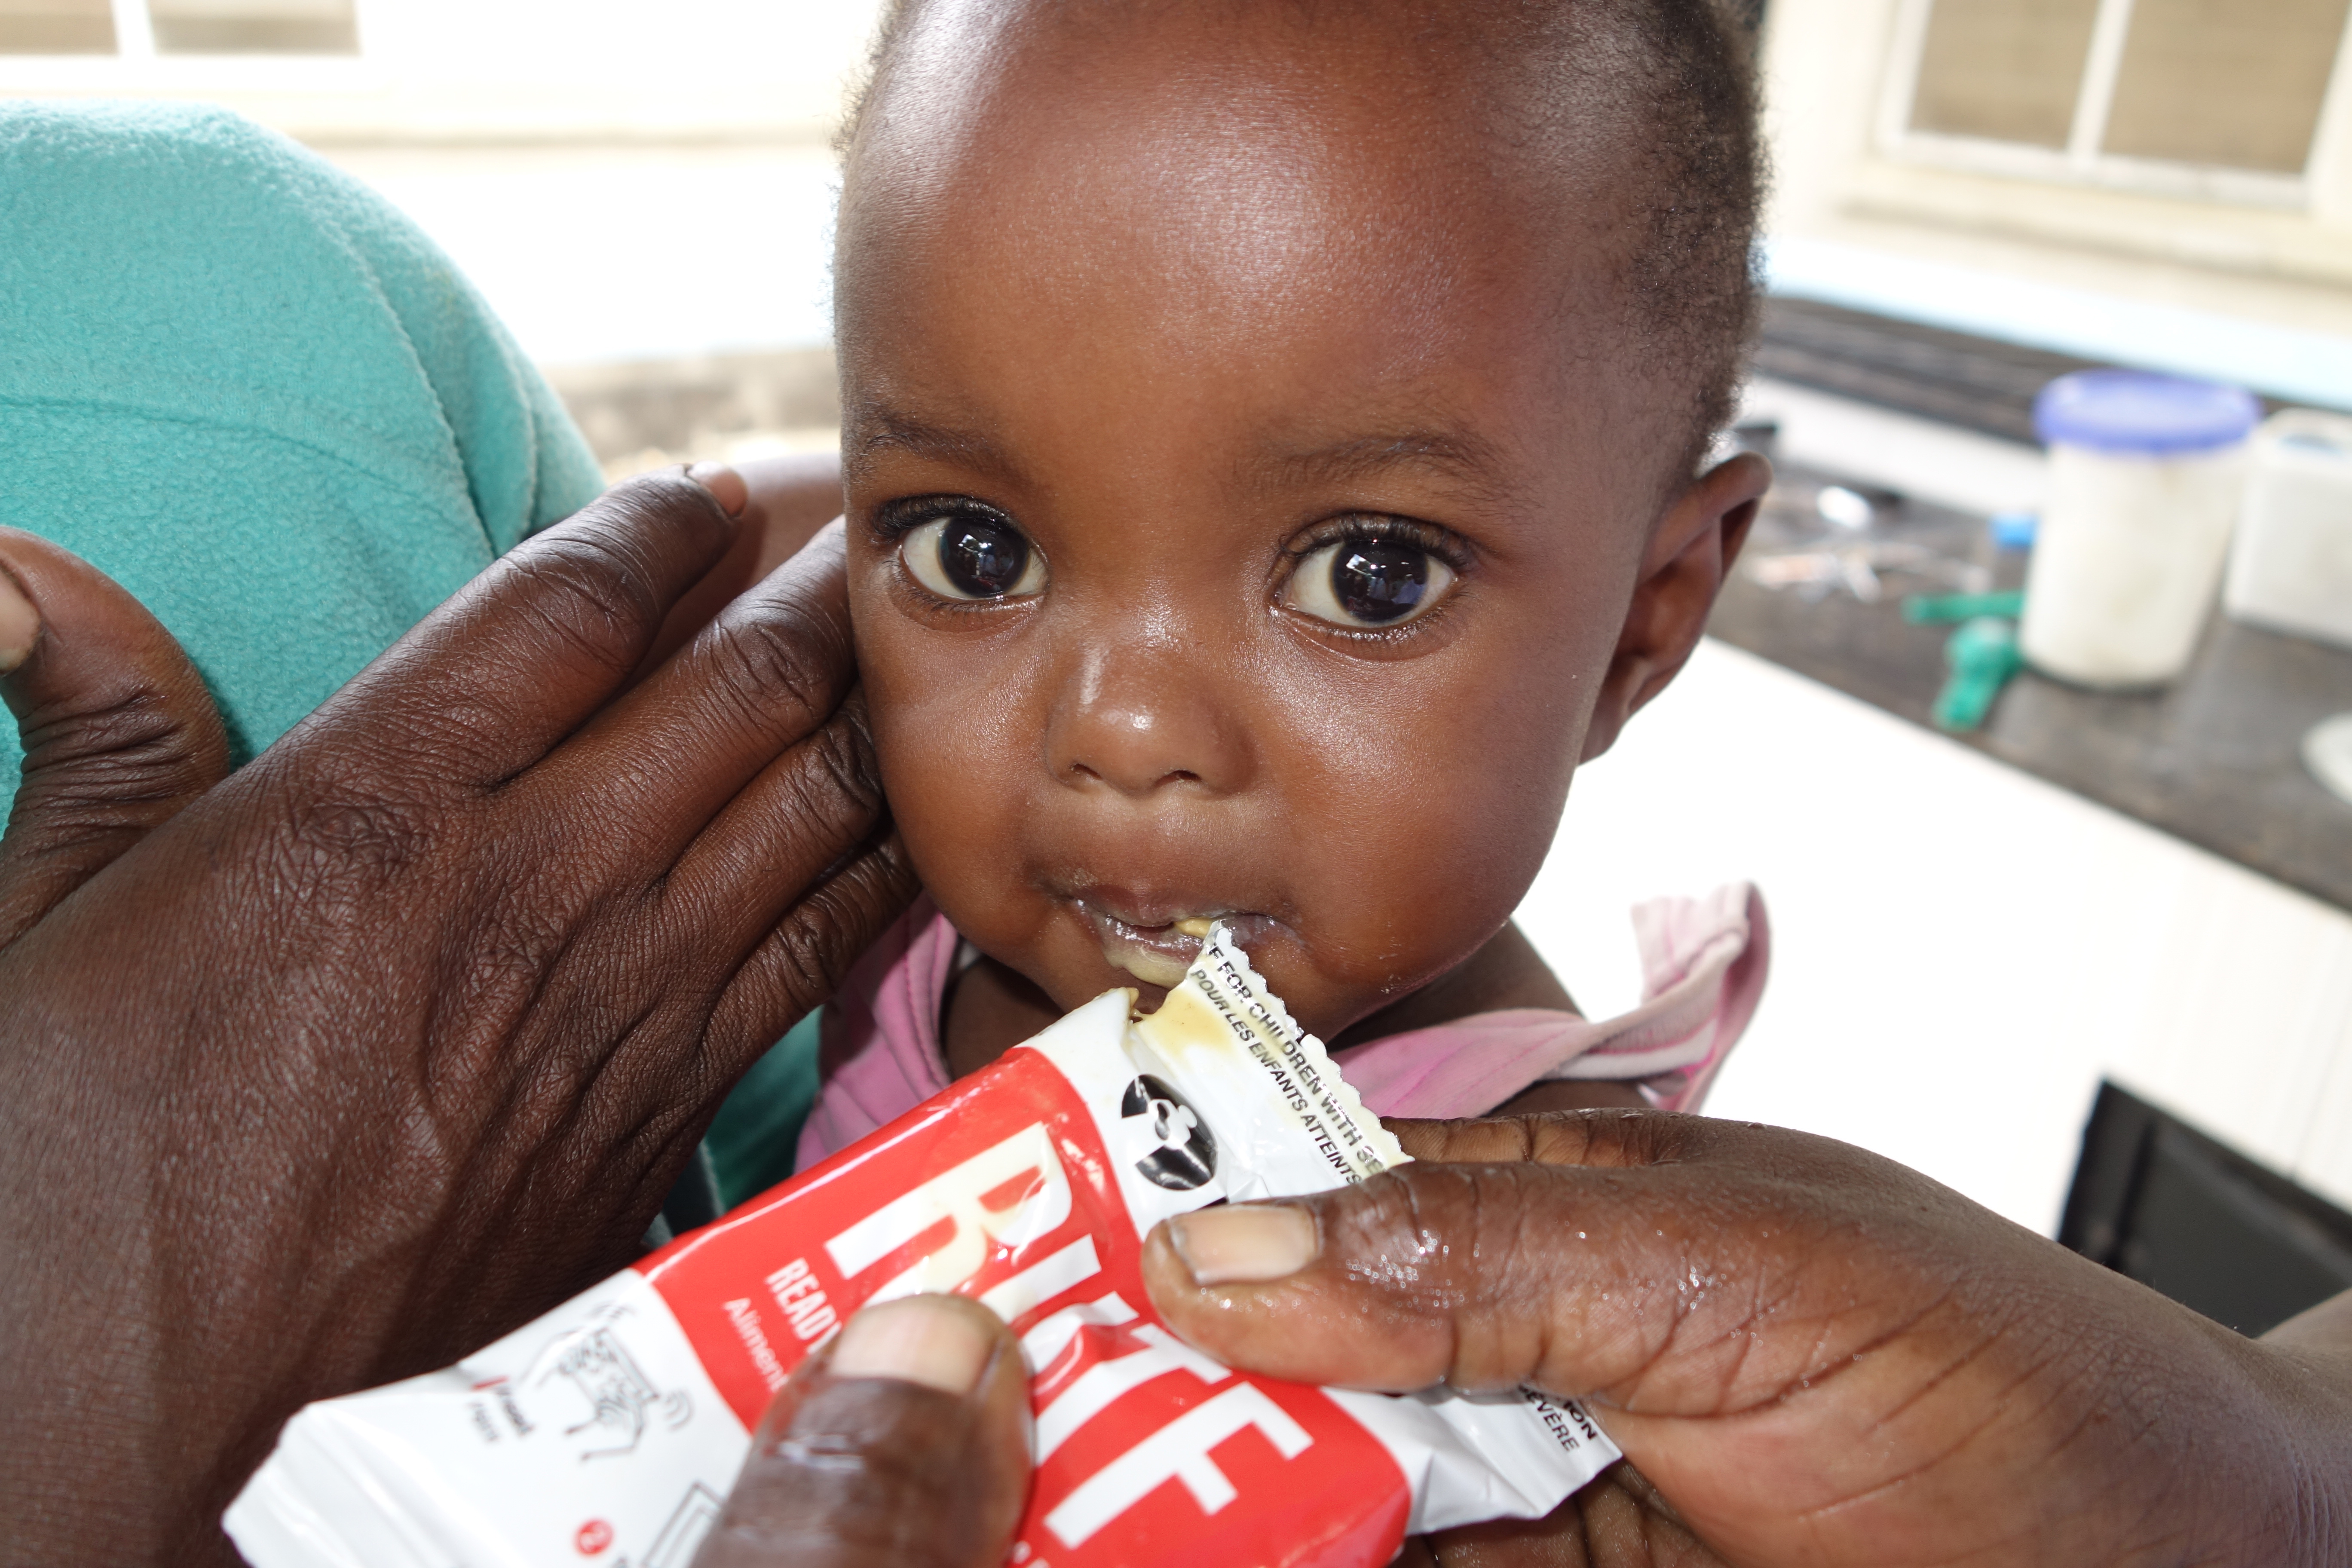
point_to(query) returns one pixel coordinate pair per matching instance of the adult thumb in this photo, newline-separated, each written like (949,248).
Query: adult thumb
(903,1443)
(119,732)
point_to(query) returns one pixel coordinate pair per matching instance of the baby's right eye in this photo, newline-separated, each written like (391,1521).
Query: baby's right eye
(973,555)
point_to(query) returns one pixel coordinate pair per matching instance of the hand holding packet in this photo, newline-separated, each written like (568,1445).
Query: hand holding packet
(609,1431)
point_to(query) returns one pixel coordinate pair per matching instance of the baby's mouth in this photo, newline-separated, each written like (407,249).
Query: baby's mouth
(1157,954)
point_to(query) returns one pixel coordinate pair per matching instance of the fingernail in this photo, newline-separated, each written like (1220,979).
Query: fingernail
(1246,1244)
(920,1338)
(20,624)
(725,485)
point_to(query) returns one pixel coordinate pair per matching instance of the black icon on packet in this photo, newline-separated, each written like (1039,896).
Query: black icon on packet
(1186,1157)
(621,1398)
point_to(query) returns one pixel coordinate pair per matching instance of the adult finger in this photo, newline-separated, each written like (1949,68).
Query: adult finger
(1627,1255)
(759,681)
(1617,1519)
(1601,1137)
(119,732)
(803,960)
(801,815)
(775,861)
(904,1445)
(531,649)
(792,496)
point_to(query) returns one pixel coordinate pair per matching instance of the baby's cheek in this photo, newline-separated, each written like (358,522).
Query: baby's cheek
(939,751)
(957,763)
(1420,911)
(1418,840)
(944,780)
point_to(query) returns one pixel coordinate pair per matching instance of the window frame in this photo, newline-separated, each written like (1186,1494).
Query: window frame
(2080,162)
(134,48)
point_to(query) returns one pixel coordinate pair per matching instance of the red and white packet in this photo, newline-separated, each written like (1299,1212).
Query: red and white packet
(607,1433)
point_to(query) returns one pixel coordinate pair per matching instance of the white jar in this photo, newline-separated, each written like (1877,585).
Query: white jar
(2291,565)
(2146,475)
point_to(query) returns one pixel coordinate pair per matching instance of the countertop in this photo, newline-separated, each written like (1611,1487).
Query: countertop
(2213,760)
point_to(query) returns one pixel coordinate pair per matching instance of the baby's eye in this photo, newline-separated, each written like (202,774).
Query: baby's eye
(1364,582)
(973,555)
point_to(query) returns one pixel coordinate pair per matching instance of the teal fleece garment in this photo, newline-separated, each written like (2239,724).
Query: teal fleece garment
(247,389)
(255,394)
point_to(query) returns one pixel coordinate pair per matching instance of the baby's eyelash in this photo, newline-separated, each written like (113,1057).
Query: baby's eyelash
(1441,542)
(894,519)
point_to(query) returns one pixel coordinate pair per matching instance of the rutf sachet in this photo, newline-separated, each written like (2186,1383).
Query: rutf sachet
(608,1432)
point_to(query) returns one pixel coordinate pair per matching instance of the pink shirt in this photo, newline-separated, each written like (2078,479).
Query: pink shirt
(1702,964)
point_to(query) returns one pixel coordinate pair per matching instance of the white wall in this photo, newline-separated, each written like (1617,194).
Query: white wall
(1961,951)
(603,253)
(529,69)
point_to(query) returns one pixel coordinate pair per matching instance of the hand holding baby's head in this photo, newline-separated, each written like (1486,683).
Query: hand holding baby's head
(1269,432)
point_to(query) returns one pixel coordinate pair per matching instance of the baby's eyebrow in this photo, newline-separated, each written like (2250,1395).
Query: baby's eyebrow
(1462,456)
(879,426)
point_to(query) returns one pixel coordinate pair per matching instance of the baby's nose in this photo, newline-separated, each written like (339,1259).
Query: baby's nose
(1137,724)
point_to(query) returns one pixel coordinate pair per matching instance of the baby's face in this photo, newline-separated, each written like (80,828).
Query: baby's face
(1240,525)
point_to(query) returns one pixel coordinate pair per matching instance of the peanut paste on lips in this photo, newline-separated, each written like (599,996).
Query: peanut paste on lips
(610,1430)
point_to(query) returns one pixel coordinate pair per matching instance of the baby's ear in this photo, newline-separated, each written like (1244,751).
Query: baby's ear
(1683,570)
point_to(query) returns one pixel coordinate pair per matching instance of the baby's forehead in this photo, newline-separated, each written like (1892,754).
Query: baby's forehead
(1269,119)
(1306,330)
(1260,165)
(1382,189)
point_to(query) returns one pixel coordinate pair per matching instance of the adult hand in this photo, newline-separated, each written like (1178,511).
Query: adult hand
(328,1072)
(903,1442)
(1808,1355)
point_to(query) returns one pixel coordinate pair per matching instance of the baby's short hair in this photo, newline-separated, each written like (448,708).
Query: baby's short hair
(1667,87)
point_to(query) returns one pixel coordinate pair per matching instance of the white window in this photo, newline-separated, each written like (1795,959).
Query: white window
(2215,98)
(137,28)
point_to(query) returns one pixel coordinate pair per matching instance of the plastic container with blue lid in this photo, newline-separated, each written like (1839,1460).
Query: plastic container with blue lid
(2146,474)
(2137,413)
